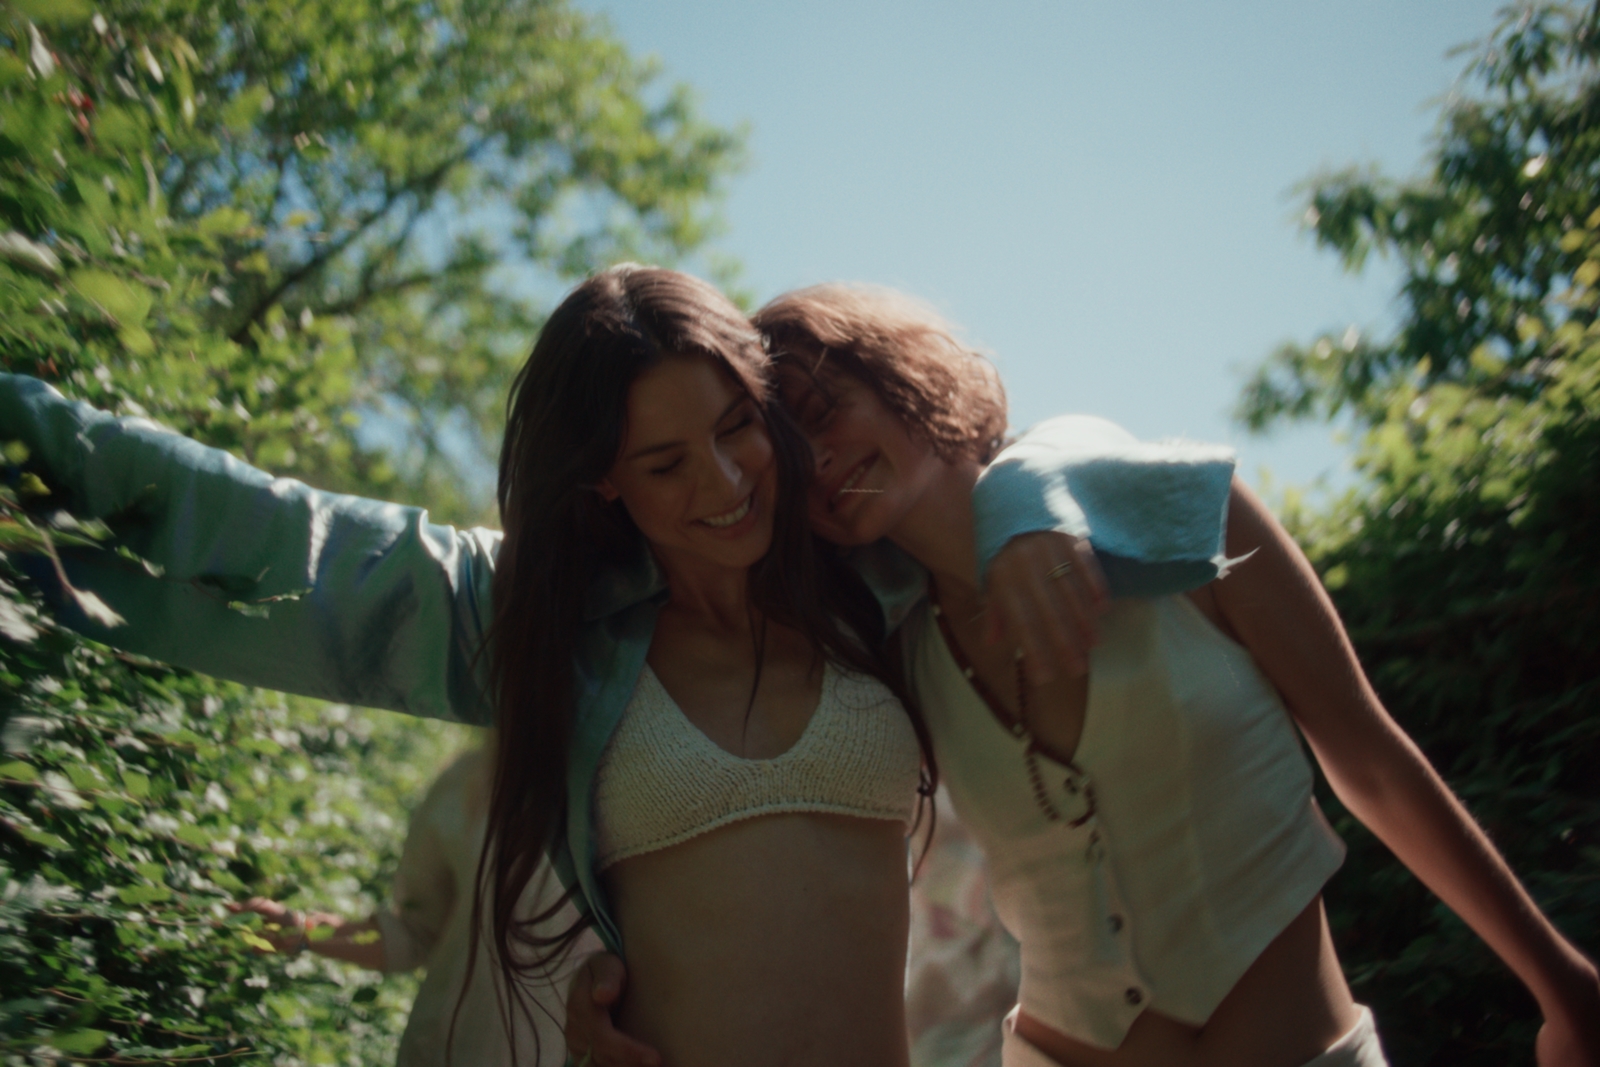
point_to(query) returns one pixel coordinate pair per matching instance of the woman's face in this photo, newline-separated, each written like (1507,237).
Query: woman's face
(870,469)
(696,469)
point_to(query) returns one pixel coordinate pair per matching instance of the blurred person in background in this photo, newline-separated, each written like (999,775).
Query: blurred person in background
(428,925)
(962,967)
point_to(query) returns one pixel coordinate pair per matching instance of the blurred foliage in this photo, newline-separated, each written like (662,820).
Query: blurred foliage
(135,801)
(1467,563)
(261,223)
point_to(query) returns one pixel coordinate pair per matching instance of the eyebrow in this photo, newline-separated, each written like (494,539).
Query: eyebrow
(666,445)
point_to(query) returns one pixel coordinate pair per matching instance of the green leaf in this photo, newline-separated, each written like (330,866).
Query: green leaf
(77,1042)
(18,772)
(96,609)
(225,222)
(41,837)
(136,339)
(144,894)
(128,304)
(31,485)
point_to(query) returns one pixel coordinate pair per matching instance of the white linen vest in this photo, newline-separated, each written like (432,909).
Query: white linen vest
(1197,838)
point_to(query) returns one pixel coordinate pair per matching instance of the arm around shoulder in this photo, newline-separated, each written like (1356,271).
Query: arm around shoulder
(1153,511)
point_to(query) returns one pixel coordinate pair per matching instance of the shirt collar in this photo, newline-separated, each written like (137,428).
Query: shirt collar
(618,588)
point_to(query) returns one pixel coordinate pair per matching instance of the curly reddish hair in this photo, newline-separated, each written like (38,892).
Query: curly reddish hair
(943,390)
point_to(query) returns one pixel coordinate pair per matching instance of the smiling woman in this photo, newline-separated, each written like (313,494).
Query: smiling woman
(761,898)
(696,471)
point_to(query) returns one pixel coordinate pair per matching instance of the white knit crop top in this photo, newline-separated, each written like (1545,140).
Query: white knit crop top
(661,781)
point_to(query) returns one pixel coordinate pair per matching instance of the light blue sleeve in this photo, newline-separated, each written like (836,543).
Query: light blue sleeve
(381,607)
(1155,513)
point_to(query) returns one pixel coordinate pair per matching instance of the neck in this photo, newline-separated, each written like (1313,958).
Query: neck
(719,595)
(937,530)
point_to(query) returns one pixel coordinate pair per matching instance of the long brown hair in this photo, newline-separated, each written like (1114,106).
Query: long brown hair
(564,427)
(941,388)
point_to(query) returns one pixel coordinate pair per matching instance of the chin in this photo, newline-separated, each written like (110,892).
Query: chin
(846,535)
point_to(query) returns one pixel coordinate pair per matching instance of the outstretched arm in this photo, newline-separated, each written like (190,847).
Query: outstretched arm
(263,580)
(291,933)
(1277,607)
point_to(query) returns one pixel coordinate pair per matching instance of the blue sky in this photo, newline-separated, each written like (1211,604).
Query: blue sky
(1100,194)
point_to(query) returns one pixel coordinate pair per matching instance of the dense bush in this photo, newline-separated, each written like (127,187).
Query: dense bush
(136,801)
(1467,563)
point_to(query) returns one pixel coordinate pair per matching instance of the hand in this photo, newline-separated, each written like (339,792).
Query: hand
(285,928)
(592,1039)
(1570,1036)
(1045,595)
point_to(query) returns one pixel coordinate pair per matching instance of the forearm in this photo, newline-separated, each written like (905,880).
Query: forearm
(1278,608)
(1405,803)
(360,943)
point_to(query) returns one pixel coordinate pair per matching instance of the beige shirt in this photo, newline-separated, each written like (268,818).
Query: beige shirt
(430,924)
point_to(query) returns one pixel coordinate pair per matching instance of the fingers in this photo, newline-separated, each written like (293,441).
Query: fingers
(608,974)
(262,906)
(1045,594)
(591,1035)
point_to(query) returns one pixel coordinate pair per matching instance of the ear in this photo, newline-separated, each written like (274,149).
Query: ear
(607,491)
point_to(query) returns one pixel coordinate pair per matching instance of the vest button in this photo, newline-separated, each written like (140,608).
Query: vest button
(1115,922)
(1133,996)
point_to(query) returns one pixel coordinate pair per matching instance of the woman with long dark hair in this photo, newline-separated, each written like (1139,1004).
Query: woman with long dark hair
(712,731)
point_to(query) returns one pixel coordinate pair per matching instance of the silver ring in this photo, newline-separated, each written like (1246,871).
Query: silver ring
(1061,570)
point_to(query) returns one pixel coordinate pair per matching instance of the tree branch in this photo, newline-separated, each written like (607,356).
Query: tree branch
(428,182)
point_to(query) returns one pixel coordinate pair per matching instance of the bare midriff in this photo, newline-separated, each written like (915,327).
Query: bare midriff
(776,940)
(1287,1008)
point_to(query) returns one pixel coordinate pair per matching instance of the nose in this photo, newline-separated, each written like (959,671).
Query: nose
(821,454)
(726,466)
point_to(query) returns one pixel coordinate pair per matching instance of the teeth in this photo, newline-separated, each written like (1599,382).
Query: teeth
(728,518)
(850,483)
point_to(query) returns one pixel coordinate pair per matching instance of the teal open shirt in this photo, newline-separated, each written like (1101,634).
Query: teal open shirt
(388,610)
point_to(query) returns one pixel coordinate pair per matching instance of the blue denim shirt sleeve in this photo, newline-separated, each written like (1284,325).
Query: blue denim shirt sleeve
(1155,513)
(380,607)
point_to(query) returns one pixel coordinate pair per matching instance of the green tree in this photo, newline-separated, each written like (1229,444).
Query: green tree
(261,223)
(1467,562)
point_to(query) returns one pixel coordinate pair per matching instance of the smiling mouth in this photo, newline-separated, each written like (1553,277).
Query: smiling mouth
(728,518)
(852,484)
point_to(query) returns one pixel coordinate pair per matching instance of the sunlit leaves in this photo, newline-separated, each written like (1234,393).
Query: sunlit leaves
(313,171)
(232,217)
(1466,561)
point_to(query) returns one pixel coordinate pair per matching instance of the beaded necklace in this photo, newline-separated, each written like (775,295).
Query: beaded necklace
(1017,727)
